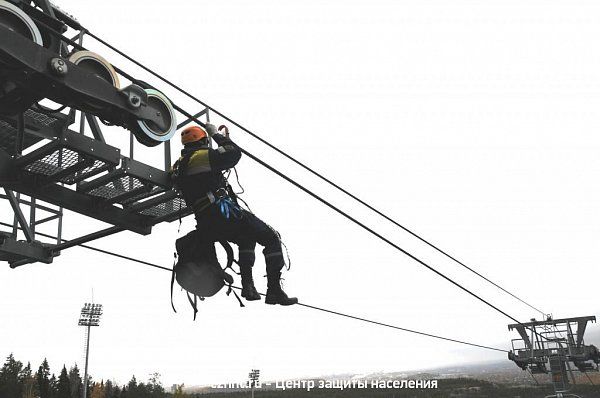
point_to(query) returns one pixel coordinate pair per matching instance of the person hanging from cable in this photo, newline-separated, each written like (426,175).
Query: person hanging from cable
(198,174)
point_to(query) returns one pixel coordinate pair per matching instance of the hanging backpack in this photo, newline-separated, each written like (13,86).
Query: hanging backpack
(197,269)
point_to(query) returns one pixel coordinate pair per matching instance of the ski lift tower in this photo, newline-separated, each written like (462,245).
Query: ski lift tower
(555,347)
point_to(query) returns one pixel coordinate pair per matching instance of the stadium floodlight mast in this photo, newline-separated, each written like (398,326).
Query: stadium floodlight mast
(254,375)
(90,316)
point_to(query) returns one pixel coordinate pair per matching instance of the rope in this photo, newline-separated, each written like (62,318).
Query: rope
(357,222)
(110,253)
(312,171)
(97,249)
(398,328)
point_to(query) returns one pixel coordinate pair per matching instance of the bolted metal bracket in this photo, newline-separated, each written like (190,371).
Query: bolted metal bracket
(136,96)
(58,67)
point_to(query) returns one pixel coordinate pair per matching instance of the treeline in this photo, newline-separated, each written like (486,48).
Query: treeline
(19,381)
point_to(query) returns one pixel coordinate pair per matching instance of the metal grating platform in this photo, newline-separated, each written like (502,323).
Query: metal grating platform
(40,118)
(8,138)
(165,208)
(153,191)
(117,187)
(131,182)
(37,125)
(65,158)
(70,159)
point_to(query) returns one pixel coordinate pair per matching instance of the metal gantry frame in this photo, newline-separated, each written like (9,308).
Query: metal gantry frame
(49,167)
(555,347)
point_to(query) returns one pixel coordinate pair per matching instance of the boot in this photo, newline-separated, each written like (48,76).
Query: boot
(275,294)
(248,290)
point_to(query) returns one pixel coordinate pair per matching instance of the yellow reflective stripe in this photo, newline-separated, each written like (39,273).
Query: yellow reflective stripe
(199,162)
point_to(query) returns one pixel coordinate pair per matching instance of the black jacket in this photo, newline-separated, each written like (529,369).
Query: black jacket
(199,170)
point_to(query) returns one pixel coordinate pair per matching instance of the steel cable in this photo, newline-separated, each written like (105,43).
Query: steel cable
(282,175)
(136,260)
(312,171)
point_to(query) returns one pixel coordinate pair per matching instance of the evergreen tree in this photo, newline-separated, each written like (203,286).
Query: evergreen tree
(10,385)
(53,389)
(27,381)
(42,378)
(132,385)
(75,382)
(63,387)
(131,389)
(155,388)
(142,391)
(108,389)
(25,373)
(112,390)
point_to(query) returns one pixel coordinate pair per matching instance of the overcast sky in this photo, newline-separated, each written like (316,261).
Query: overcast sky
(474,123)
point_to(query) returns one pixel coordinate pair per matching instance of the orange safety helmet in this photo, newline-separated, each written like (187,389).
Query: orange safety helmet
(192,134)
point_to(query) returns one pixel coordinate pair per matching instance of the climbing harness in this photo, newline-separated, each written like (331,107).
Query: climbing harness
(226,204)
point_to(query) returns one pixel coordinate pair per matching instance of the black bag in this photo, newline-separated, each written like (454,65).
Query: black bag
(197,269)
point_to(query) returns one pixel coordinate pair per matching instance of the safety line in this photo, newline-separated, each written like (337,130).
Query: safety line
(398,328)
(357,222)
(94,248)
(314,172)
(136,260)
(336,312)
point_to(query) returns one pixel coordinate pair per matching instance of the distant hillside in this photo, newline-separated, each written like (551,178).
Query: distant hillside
(448,388)
(496,379)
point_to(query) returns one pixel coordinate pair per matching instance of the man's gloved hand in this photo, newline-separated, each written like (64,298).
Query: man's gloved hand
(210,129)
(216,135)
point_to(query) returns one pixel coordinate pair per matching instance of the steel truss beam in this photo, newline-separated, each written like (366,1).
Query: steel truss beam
(60,196)
(14,203)
(87,238)
(18,253)
(553,322)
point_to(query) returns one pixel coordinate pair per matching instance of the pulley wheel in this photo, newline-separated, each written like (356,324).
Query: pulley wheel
(97,65)
(149,133)
(15,19)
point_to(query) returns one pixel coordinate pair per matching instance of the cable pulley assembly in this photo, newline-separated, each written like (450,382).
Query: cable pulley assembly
(15,19)
(81,80)
(96,65)
(152,133)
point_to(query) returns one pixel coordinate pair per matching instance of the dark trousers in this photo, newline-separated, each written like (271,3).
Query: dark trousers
(245,232)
